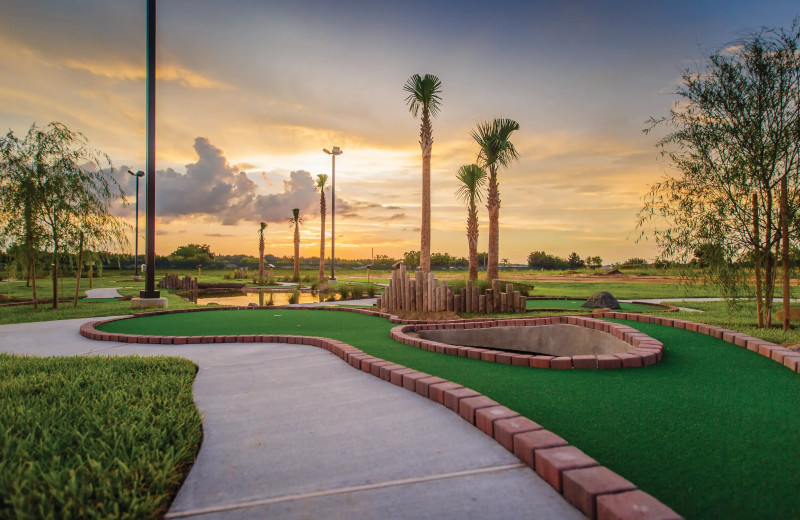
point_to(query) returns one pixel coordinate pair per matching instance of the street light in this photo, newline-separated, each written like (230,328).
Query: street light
(136,277)
(336,151)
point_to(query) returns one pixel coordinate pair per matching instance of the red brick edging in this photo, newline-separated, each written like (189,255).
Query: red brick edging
(647,351)
(594,489)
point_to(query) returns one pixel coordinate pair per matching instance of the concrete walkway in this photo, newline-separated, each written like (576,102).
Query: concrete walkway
(110,292)
(292,432)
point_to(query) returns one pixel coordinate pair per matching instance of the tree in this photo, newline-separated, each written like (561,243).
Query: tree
(594,261)
(496,150)
(734,132)
(261,228)
(64,190)
(423,97)
(321,185)
(411,258)
(295,222)
(193,253)
(472,179)
(542,260)
(574,261)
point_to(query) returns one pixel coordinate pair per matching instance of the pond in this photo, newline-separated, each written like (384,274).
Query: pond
(240,299)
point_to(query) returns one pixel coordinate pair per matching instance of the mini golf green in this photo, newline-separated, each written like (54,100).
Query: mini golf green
(570,304)
(710,431)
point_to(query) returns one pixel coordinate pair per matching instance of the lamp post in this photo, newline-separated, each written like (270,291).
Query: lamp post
(336,151)
(139,174)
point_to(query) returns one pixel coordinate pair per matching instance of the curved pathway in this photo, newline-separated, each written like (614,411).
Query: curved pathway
(293,432)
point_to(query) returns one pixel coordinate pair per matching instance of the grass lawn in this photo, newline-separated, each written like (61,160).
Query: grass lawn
(710,435)
(94,437)
(576,305)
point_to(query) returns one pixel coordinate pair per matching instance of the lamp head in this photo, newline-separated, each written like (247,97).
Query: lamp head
(140,173)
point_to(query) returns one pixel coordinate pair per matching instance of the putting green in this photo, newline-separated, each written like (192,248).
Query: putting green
(710,430)
(555,303)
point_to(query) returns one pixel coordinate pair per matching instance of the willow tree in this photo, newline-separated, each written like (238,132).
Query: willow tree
(321,185)
(57,190)
(472,179)
(495,150)
(261,244)
(424,99)
(295,222)
(733,133)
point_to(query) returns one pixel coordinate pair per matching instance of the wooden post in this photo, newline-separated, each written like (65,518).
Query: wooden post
(516,301)
(432,292)
(489,301)
(469,297)
(378,303)
(482,304)
(402,291)
(496,293)
(457,302)
(418,285)
(475,294)
(450,303)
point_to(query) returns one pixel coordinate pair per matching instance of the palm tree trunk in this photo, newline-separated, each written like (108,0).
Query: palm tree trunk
(472,241)
(296,252)
(426,143)
(493,205)
(261,257)
(322,210)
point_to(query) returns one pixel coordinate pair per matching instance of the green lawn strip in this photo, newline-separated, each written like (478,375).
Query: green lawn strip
(708,430)
(576,305)
(94,437)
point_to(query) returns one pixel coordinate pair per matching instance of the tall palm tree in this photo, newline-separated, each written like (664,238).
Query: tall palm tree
(472,179)
(496,150)
(295,221)
(261,252)
(423,97)
(321,185)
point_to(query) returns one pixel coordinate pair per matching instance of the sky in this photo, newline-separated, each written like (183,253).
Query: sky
(249,92)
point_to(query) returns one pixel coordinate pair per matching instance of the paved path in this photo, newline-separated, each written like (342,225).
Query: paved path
(292,432)
(110,292)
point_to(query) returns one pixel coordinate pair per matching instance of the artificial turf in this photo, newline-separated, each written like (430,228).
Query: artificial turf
(576,305)
(709,430)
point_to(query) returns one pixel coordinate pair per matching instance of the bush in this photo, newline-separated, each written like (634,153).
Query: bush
(294,297)
(371,291)
(357,291)
(344,291)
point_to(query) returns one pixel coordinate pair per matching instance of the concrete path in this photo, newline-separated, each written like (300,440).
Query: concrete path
(292,432)
(110,292)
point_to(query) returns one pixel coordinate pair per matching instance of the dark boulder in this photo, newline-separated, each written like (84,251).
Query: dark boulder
(601,299)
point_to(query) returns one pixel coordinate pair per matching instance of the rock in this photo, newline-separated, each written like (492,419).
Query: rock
(601,299)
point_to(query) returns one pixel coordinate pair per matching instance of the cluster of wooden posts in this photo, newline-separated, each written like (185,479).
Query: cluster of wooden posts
(426,294)
(173,281)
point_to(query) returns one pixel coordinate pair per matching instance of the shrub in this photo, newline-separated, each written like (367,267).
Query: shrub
(294,297)
(357,291)
(344,291)
(371,291)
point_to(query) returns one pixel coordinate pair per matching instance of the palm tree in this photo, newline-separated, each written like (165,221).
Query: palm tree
(295,221)
(495,150)
(472,179)
(261,252)
(321,185)
(423,96)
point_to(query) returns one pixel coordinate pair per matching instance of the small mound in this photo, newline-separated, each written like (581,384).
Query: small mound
(613,272)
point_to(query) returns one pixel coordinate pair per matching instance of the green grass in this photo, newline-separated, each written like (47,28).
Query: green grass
(709,431)
(94,437)
(576,305)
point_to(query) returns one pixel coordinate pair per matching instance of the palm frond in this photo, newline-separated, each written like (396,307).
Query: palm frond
(423,94)
(472,178)
(322,182)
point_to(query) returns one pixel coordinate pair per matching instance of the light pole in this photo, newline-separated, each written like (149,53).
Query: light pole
(336,151)
(136,276)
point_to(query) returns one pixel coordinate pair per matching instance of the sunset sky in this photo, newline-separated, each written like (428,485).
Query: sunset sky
(250,92)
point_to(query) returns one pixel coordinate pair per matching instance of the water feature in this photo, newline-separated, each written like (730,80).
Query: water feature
(261,298)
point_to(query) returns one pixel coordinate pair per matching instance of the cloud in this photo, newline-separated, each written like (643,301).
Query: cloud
(214,189)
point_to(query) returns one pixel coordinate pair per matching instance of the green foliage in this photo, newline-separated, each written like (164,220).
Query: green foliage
(294,297)
(193,253)
(542,260)
(594,261)
(574,261)
(411,258)
(90,437)
(423,95)
(357,290)
(343,290)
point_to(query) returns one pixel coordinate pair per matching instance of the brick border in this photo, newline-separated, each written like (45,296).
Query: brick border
(782,355)
(595,490)
(646,350)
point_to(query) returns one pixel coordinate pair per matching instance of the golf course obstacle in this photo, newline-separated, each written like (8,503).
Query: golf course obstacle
(424,293)
(173,281)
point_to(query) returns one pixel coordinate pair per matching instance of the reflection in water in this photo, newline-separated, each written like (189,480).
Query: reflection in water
(239,299)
